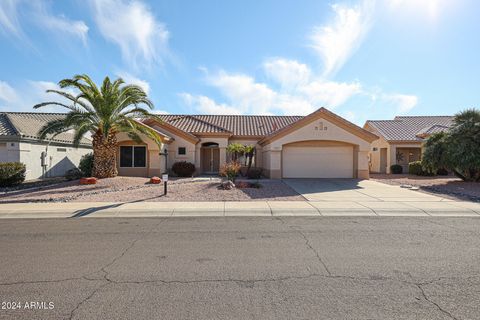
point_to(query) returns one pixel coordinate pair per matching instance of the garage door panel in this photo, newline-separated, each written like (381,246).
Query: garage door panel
(317,162)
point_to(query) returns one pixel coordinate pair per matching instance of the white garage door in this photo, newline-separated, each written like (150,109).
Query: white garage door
(317,162)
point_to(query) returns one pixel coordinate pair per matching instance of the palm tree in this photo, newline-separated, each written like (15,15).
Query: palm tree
(104,112)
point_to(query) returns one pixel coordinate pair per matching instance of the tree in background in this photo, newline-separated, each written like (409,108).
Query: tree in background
(458,149)
(236,150)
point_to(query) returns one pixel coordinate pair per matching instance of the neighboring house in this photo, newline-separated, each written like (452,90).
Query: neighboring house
(401,139)
(320,145)
(19,142)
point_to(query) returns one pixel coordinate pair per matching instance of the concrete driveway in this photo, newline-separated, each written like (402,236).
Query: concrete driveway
(356,190)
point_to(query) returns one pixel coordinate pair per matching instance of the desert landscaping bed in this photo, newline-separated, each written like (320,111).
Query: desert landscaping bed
(134,189)
(449,187)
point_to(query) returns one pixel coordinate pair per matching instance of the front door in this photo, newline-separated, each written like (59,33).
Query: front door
(210,160)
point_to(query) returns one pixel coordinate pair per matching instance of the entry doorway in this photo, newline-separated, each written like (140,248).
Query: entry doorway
(210,154)
(383,160)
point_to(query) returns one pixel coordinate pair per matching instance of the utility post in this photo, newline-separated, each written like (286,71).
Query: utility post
(165,173)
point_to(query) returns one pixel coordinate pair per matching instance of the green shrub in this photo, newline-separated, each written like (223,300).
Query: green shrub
(396,169)
(183,169)
(416,168)
(442,172)
(73,174)
(254,173)
(11,174)
(86,165)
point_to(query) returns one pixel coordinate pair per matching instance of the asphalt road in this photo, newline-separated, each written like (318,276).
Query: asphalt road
(241,268)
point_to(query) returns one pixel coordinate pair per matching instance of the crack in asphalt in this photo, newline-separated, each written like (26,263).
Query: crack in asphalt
(249,283)
(308,244)
(419,286)
(105,272)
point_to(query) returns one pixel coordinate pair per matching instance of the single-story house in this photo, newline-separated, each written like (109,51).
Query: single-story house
(320,145)
(19,142)
(400,140)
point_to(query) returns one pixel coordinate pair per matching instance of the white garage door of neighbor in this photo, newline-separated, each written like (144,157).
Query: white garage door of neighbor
(317,162)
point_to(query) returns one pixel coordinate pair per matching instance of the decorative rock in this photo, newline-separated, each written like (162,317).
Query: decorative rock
(155,180)
(90,180)
(228,185)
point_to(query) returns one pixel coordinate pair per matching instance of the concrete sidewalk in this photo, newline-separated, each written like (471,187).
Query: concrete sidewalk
(240,208)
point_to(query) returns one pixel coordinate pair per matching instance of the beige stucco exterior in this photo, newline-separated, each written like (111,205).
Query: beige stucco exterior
(383,153)
(318,130)
(322,131)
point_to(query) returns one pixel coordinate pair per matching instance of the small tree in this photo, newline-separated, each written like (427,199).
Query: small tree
(235,150)
(249,152)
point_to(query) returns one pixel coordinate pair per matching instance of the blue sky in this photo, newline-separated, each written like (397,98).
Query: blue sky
(362,59)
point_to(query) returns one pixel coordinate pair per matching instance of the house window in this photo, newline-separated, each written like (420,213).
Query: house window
(182,151)
(375,149)
(133,156)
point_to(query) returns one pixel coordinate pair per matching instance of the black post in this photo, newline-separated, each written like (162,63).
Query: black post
(165,188)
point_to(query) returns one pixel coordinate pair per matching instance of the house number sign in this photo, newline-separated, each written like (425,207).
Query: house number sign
(321,127)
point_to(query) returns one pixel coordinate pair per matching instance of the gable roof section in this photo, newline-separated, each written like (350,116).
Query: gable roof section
(410,128)
(167,126)
(6,127)
(327,115)
(196,125)
(237,125)
(28,124)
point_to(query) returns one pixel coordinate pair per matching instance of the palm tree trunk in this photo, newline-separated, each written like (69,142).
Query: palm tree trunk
(104,155)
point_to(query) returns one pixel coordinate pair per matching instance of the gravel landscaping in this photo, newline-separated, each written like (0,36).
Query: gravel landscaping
(135,189)
(449,187)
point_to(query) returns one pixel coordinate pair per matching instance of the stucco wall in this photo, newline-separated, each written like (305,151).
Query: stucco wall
(375,155)
(172,148)
(155,162)
(9,151)
(319,129)
(60,158)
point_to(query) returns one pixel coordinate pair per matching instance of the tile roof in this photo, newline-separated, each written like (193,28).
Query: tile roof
(238,125)
(6,127)
(27,125)
(408,128)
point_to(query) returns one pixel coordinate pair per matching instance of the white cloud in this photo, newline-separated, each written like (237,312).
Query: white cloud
(9,17)
(288,73)
(60,23)
(430,9)
(38,12)
(330,94)
(130,79)
(292,105)
(403,102)
(132,26)
(253,97)
(337,41)
(246,94)
(7,93)
(33,92)
(203,104)
(349,115)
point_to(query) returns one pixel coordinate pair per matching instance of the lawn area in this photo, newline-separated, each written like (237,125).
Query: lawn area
(130,189)
(448,186)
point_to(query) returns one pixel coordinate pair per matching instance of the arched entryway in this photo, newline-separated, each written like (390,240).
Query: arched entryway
(210,157)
